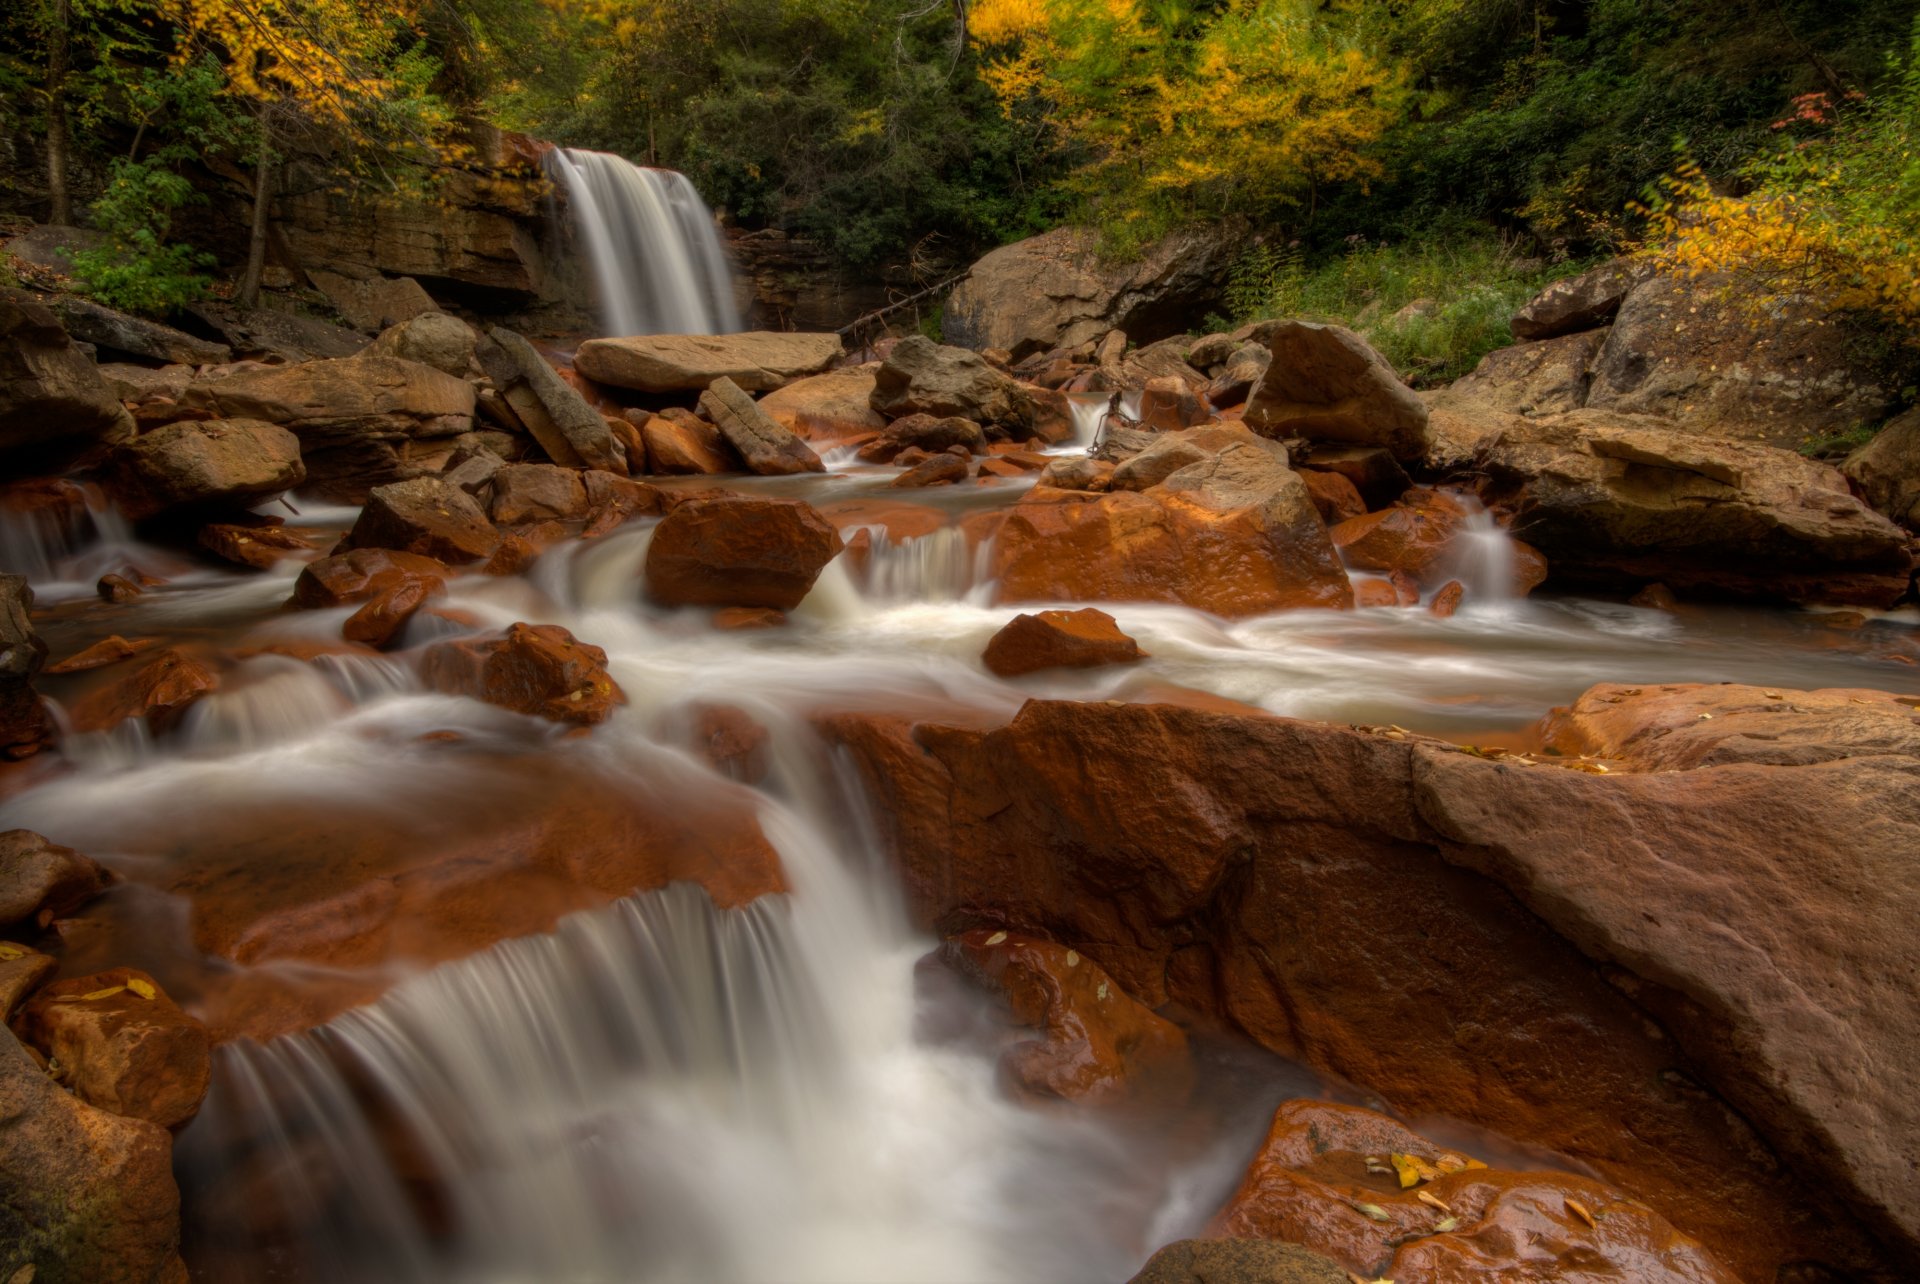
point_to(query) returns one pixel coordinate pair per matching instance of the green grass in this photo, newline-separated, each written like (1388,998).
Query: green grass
(1838,445)
(1471,288)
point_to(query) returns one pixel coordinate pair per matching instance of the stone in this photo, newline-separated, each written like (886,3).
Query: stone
(41,881)
(1082,639)
(926,432)
(1093,475)
(684,444)
(431,338)
(923,377)
(1056,290)
(1415,536)
(538,493)
(117,588)
(730,619)
(160,691)
(121,1044)
(941,470)
(110,651)
(567,427)
(427,517)
(767,448)
(275,334)
(755,361)
(731,741)
(1326,384)
(536,669)
(827,407)
(613,501)
(1238,1261)
(1545,378)
(86,1197)
(1447,599)
(1887,470)
(1376,474)
(53,403)
(25,726)
(22,971)
(382,617)
(236,462)
(1097,1047)
(1169,404)
(1167,453)
(116,332)
(736,550)
(261,545)
(361,575)
(373,303)
(472,467)
(1579,303)
(1334,497)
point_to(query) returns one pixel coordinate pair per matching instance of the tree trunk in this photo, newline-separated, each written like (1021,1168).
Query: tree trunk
(59,141)
(248,294)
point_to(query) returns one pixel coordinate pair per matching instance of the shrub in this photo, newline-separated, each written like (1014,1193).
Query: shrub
(136,269)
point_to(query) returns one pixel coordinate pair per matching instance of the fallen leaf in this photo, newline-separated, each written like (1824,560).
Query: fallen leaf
(8,950)
(1373,1212)
(1433,1200)
(142,988)
(1413,1170)
(1579,1210)
(107,993)
(1446,1224)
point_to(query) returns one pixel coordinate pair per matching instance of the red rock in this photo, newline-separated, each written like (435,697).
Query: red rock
(940,470)
(930,433)
(536,669)
(911,457)
(683,443)
(361,575)
(736,550)
(1098,1046)
(903,519)
(537,493)
(633,444)
(512,556)
(159,691)
(1093,475)
(1168,404)
(22,971)
(731,618)
(732,741)
(382,618)
(1529,568)
(1336,498)
(613,501)
(1082,639)
(827,407)
(998,468)
(1654,597)
(260,546)
(1375,593)
(121,1044)
(426,516)
(190,464)
(41,881)
(117,588)
(1446,600)
(1238,1261)
(110,651)
(1414,536)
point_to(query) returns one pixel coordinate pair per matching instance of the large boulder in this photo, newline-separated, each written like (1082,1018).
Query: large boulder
(116,332)
(372,302)
(276,334)
(758,361)
(52,399)
(25,727)
(433,339)
(1057,290)
(1887,470)
(1325,383)
(922,377)
(41,881)
(736,550)
(361,420)
(1546,378)
(1578,303)
(121,1044)
(682,443)
(1083,639)
(767,448)
(570,430)
(429,517)
(827,407)
(192,463)
(1718,953)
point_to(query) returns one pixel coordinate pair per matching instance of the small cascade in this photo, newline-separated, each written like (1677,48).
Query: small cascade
(67,542)
(935,567)
(1089,411)
(1483,558)
(655,255)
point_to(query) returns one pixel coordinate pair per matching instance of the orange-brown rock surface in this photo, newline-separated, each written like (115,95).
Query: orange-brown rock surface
(737,550)
(121,1044)
(536,669)
(1083,639)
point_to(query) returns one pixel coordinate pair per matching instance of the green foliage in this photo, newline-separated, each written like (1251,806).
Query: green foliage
(138,268)
(1840,443)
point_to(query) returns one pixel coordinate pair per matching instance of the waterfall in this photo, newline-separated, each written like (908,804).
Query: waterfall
(655,255)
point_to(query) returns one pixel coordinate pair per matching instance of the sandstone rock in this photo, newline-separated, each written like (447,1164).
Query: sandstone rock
(1168,405)
(1544,378)
(383,616)
(1054,290)
(570,430)
(1098,1046)
(182,465)
(117,588)
(536,669)
(85,1197)
(261,545)
(1334,498)
(1165,360)
(116,332)
(613,501)
(25,728)
(926,432)
(22,971)
(1077,474)
(372,303)
(122,1045)
(1238,1261)
(733,550)
(757,361)
(160,691)
(1083,639)
(942,470)
(361,575)
(1447,599)
(1415,535)
(1661,728)
(731,740)
(538,493)
(472,467)
(922,377)
(734,618)
(1579,303)
(1326,384)
(685,444)
(271,333)
(1239,376)
(431,338)
(1168,452)
(767,448)
(1375,473)
(827,407)
(110,651)
(1887,470)
(427,517)
(52,400)
(41,881)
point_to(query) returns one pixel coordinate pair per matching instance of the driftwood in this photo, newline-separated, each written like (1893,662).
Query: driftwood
(855,331)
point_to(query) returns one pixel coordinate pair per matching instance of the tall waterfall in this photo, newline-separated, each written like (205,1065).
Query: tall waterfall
(655,254)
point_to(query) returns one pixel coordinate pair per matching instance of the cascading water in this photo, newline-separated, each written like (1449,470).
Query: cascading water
(651,245)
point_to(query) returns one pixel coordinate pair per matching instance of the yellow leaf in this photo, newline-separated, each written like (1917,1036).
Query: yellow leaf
(1432,1200)
(1579,1210)
(1413,1170)
(107,993)
(8,950)
(1373,1212)
(142,988)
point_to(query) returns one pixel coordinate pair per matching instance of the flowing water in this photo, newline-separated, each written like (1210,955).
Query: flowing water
(651,245)
(662,1090)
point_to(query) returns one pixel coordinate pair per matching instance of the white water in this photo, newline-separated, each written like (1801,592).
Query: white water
(651,244)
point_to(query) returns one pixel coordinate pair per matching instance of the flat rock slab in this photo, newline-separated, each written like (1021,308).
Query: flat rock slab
(758,361)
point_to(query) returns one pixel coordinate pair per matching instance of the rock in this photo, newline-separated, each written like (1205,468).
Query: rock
(1334,498)
(1376,474)
(271,333)
(941,470)
(85,1197)
(756,361)
(431,338)
(160,691)
(736,550)
(472,468)
(183,465)
(536,669)
(22,971)
(1726,991)
(1313,1184)
(1655,597)
(261,545)
(1661,728)
(361,420)
(1688,351)
(1167,453)
(41,881)
(731,741)
(1326,384)
(1166,359)
(926,432)
(538,493)
(383,616)
(827,407)
(116,332)
(570,430)
(427,517)
(53,402)
(374,302)
(1083,639)
(1240,376)
(922,377)
(684,444)
(1238,1261)
(361,575)
(1097,1045)
(1168,405)
(767,448)
(730,619)
(121,1044)
(111,651)
(1579,303)
(1446,600)
(117,588)
(1415,535)
(1055,291)
(1077,474)
(1887,470)
(25,728)
(1545,378)
(613,501)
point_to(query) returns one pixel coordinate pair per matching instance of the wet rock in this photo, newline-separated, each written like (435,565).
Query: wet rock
(1083,639)
(685,444)
(1415,536)
(757,361)
(25,728)
(1240,375)
(360,575)
(827,407)
(121,1044)
(22,971)
(1168,405)
(1098,1046)
(538,493)
(53,402)
(613,501)
(1544,378)
(1168,452)
(1887,470)
(1334,497)
(569,429)
(927,433)
(426,517)
(110,651)
(1375,473)
(733,618)
(1094,475)
(1326,384)
(941,470)
(261,545)
(922,377)
(116,332)
(1371,593)
(86,1197)
(160,691)
(1655,597)
(117,588)
(735,550)
(383,616)
(1579,303)
(431,338)
(511,556)
(182,465)
(373,302)
(767,448)
(732,741)
(536,669)
(1238,1261)
(1447,599)
(41,881)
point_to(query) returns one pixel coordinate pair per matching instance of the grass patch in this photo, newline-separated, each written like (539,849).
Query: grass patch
(1838,445)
